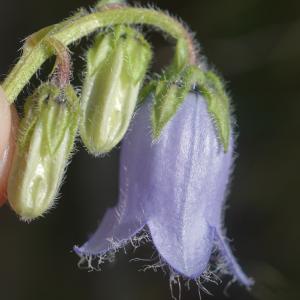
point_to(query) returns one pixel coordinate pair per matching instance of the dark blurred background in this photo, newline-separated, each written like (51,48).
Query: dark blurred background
(255,44)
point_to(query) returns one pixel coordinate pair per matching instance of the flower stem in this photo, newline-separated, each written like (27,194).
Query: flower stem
(63,65)
(80,27)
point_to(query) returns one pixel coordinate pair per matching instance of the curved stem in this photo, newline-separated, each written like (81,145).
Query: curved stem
(32,59)
(63,65)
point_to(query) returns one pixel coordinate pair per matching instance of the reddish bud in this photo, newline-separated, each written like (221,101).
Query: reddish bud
(8,129)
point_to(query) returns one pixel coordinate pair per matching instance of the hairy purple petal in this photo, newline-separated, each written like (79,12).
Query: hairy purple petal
(120,223)
(231,262)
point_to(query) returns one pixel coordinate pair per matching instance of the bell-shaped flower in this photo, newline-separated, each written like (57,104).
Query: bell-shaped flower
(8,128)
(175,187)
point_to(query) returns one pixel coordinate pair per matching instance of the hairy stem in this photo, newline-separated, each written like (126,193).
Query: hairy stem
(63,65)
(34,57)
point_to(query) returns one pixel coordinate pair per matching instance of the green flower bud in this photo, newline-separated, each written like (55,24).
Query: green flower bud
(116,67)
(45,141)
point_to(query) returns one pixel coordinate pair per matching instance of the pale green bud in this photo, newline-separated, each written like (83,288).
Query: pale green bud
(116,67)
(45,141)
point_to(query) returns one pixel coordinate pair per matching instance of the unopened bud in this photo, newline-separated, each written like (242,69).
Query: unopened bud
(8,128)
(116,67)
(46,139)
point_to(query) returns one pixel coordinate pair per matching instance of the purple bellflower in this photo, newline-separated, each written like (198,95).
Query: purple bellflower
(176,187)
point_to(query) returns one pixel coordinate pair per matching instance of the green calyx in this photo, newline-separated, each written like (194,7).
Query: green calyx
(218,103)
(171,90)
(50,105)
(116,66)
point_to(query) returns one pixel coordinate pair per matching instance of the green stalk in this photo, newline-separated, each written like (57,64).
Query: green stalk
(33,58)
